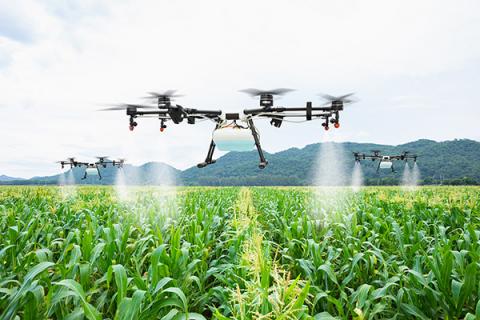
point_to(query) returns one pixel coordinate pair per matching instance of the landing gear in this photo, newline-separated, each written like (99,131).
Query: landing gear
(208,160)
(263,161)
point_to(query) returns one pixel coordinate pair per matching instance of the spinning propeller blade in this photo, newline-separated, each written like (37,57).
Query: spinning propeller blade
(275,92)
(125,106)
(346,98)
(166,94)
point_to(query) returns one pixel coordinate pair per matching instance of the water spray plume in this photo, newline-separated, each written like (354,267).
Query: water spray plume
(121,187)
(330,179)
(66,181)
(406,177)
(415,176)
(357,177)
(411,177)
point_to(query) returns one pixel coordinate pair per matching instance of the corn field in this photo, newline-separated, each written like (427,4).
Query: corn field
(240,253)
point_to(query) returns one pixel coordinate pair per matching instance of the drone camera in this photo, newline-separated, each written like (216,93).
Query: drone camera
(191,120)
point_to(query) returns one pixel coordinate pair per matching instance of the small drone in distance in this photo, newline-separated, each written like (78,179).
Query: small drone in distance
(235,131)
(92,168)
(384,162)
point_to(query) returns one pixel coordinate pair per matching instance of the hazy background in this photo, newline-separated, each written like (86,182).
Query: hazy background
(414,65)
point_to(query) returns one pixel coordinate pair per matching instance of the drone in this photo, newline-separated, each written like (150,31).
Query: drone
(92,168)
(236,131)
(385,162)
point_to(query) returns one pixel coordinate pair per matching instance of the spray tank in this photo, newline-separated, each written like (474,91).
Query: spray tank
(233,137)
(89,172)
(386,163)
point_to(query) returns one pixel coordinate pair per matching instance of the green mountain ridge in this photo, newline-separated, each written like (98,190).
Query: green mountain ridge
(448,162)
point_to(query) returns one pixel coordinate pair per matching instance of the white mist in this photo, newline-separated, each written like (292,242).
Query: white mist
(330,181)
(357,177)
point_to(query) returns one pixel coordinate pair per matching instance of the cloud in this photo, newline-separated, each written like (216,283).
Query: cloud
(66,58)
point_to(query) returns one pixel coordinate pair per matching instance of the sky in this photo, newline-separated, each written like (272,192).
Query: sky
(414,66)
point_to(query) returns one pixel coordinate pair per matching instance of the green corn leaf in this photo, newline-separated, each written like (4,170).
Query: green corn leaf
(324,316)
(130,307)
(328,270)
(121,282)
(179,293)
(170,315)
(14,301)
(469,284)
(413,311)
(75,289)
(162,283)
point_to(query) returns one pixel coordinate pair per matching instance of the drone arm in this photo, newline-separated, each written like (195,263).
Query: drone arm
(145,113)
(203,112)
(286,109)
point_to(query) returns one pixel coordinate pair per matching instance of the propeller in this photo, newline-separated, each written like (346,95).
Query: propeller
(167,94)
(346,98)
(125,106)
(274,92)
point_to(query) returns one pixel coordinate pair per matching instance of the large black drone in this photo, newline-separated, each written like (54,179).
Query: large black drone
(235,131)
(92,168)
(385,162)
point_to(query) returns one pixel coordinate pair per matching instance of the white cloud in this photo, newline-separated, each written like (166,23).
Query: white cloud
(83,53)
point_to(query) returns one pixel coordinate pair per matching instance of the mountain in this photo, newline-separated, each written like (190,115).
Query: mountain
(7,178)
(154,173)
(454,162)
(447,162)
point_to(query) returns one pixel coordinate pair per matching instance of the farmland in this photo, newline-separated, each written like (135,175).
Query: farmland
(242,253)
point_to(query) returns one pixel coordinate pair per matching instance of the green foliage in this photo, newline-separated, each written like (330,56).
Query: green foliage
(249,253)
(389,254)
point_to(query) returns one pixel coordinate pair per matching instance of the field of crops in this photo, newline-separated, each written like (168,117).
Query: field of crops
(239,253)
